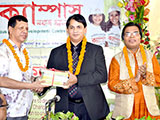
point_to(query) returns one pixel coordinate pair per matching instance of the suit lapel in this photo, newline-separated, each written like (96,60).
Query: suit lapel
(86,55)
(65,56)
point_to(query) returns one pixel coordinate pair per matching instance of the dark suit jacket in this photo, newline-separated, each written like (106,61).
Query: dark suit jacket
(93,72)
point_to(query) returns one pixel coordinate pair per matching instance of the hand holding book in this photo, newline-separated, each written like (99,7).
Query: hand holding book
(54,77)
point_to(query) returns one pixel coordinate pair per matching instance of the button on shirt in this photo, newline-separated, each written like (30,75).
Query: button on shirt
(19,101)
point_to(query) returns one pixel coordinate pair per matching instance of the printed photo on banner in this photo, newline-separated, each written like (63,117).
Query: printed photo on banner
(113,26)
(104,30)
(96,27)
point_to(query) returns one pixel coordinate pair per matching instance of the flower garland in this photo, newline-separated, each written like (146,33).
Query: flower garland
(128,62)
(81,56)
(144,58)
(16,56)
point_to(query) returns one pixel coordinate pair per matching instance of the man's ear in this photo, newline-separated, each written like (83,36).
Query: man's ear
(10,29)
(85,30)
(66,30)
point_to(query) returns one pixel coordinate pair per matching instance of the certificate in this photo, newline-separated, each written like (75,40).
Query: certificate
(54,77)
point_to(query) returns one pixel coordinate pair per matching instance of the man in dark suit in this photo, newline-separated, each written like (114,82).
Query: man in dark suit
(83,94)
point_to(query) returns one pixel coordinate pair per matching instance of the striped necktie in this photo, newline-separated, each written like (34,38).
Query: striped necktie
(73,89)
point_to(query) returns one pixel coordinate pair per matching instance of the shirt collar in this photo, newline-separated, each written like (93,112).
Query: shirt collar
(78,46)
(138,50)
(15,46)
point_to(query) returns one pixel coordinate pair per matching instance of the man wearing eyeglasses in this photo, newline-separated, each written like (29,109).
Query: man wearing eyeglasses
(133,74)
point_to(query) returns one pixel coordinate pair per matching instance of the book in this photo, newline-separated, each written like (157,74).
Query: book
(53,77)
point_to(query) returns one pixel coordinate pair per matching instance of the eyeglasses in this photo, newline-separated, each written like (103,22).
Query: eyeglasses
(128,34)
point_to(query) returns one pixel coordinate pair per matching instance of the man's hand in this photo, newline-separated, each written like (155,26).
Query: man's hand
(142,70)
(138,76)
(37,85)
(71,81)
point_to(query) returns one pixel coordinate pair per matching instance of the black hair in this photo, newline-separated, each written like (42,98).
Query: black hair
(12,21)
(102,24)
(78,18)
(131,24)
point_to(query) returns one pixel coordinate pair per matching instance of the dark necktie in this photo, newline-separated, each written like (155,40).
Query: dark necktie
(73,89)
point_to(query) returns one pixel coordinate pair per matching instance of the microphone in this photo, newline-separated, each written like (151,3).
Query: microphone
(55,99)
(49,102)
(44,91)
